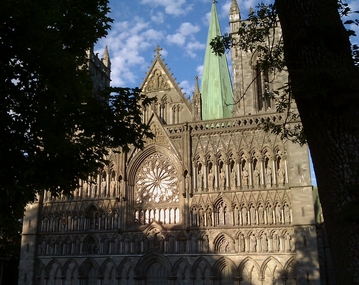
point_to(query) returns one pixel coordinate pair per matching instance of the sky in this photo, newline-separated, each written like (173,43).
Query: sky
(179,27)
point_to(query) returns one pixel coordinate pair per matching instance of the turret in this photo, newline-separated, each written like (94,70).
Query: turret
(234,16)
(197,102)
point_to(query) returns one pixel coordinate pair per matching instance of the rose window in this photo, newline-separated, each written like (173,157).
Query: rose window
(157,181)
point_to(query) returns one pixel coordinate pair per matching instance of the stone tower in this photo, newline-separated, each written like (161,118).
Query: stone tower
(212,199)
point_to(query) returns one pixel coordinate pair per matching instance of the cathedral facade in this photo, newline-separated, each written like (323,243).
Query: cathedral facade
(211,199)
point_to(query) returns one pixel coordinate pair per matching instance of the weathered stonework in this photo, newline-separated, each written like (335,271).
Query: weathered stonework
(206,202)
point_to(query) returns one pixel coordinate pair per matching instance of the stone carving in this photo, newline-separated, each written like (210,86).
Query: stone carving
(281,176)
(252,243)
(256,177)
(200,180)
(278,214)
(113,187)
(245,176)
(233,178)
(268,177)
(157,181)
(103,187)
(222,179)
(210,180)
(157,82)
(286,213)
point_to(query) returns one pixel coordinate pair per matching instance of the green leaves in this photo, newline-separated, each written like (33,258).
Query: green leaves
(53,130)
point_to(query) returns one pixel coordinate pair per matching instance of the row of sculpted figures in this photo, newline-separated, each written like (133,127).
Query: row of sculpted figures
(232,172)
(91,219)
(105,185)
(244,214)
(179,242)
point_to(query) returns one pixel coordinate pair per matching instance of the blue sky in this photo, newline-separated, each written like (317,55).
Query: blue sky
(179,26)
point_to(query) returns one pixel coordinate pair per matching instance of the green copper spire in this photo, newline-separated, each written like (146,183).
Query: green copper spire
(216,87)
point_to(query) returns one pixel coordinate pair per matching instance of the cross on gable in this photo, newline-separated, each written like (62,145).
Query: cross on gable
(157,50)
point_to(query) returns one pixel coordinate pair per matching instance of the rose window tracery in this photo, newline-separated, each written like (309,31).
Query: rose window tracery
(157,181)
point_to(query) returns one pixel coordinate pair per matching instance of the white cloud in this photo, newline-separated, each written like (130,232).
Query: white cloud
(193,46)
(177,39)
(158,18)
(127,42)
(185,30)
(176,8)
(187,88)
(199,70)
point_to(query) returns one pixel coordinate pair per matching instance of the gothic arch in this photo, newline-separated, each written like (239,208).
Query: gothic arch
(67,265)
(141,156)
(50,266)
(180,267)
(197,266)
(147,260)
(266,263)
(90,245)
(248,261)
(218,243)
(221,264)
(71,270)
(105,264)
(41,270)
(126,266)
(87,265)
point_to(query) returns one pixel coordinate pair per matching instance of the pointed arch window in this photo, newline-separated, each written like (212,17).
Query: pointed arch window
(261,81)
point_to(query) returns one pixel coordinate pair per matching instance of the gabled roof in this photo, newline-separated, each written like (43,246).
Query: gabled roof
(159,65)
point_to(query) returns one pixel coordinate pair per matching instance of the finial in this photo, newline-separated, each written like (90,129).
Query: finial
(215,2)
(196,88)
(157,50)
(251,12)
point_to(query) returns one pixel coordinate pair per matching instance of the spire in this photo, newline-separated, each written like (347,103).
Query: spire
(234,11)
(106,58)
(196,102)
(216,87)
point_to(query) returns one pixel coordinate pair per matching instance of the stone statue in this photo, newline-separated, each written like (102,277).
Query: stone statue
(210,180)
(256,177)
(244,215)
(280,176)
(85,188)
(269,177)
(222,179)
(113,187)
(269,214)
(287,213)
(252,243)
(245,176)
(278,214)
(233,178)
(261,214)
(103,187)
(264,243)
(253,215)
(200,180)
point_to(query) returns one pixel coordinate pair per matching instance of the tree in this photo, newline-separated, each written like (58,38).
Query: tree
(53,130)
(324,81)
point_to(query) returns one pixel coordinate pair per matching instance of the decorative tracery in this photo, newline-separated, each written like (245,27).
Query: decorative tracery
(157,181)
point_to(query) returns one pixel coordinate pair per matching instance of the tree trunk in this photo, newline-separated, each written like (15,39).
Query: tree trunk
(325,85)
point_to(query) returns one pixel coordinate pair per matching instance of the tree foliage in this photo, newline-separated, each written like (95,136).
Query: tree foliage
(53,130)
